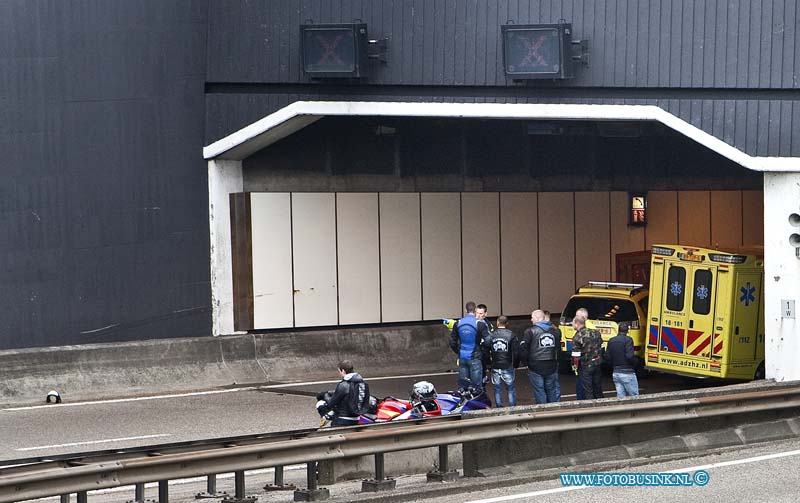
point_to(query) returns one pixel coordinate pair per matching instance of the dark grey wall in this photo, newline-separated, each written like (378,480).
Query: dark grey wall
(103,203)
(727,67)
(105,106)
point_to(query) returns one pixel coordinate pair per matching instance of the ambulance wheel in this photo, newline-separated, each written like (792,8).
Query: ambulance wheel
(760,372)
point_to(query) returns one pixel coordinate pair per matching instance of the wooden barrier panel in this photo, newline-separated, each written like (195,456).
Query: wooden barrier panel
(519,252)
(358,261)
(401,257)
(480,244)
(271,223)
(314,250)
(441,255)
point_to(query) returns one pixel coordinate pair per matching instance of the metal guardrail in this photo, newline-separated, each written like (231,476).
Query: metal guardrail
(34,481)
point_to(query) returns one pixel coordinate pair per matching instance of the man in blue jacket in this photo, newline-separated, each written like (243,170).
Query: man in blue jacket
(465,341)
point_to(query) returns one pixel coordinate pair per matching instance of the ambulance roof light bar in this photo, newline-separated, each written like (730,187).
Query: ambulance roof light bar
(663,250)
(609,284)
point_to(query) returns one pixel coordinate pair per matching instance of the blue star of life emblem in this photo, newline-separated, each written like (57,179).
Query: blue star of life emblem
(675,289)
(702,292)
(747,294)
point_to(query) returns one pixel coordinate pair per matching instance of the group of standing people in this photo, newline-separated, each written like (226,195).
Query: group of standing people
(482,349)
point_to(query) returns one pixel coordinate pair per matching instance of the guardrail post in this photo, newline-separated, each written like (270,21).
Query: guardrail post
(312,493)
(211,489)
(163,491)
(380,482)
(279,485)
(239,486)
(443,474)
(138,493)
(82,497)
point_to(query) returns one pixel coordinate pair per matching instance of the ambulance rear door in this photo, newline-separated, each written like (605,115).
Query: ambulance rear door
(687,316)
(745,335)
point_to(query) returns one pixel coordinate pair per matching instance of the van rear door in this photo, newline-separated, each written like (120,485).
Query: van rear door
(746,313)
(687,315)
(701,311)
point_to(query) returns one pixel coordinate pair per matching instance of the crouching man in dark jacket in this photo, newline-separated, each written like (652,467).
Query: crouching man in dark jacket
(619,353)
(335,405)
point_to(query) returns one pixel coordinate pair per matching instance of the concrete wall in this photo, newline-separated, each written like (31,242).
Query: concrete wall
(782,275)
(174,365)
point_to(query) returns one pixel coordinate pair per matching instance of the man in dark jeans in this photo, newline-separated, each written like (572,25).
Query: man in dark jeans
(619,354)
(539,349)
(587,347)
(503,350)
(334,405)
(465,341)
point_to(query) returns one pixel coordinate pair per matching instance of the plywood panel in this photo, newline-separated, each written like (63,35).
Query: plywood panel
(519,252)
(401,259)
(593,246)
(662,218)
(694,218)
(241,261)
(753,217)
(271,229)
(726,218)
(314,250)
(556,249)
(624,238)
(480,243)
(357,252)
(441,255)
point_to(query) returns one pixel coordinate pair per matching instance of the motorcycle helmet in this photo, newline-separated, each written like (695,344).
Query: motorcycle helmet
(422,392)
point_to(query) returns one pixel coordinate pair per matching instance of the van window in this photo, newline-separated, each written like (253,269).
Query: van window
(701,303)
(602,308)
(676,286)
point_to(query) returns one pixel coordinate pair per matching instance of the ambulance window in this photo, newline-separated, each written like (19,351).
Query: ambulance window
(676,286)
(701,303)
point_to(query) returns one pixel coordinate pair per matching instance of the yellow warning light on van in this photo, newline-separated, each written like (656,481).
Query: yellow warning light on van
(690,257)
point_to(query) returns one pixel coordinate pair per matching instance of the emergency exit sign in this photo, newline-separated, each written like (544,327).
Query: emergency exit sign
(787,309)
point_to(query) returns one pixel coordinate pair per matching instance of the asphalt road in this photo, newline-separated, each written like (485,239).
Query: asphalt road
(762,473)
(47,430)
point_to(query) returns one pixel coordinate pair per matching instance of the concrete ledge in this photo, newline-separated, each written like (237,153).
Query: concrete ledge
(774,430)
(653,439)
(177,365)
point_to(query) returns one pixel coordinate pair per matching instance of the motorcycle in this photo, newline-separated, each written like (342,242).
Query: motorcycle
(425,402)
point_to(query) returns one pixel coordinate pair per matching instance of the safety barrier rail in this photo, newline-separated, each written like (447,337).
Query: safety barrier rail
(35,481)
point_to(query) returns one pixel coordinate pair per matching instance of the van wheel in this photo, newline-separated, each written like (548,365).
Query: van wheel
(760,372)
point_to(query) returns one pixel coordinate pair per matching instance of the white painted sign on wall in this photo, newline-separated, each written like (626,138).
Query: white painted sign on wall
(787,309)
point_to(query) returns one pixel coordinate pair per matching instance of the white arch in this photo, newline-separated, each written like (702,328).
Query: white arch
(298,115)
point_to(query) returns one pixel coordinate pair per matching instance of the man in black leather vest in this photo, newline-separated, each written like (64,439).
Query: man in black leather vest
(503,350)
(539,349)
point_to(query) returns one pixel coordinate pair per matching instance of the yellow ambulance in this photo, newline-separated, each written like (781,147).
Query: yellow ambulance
(706,313)
(608,305)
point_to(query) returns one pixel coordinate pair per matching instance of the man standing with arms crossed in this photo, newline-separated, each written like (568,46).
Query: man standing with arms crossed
(465,341)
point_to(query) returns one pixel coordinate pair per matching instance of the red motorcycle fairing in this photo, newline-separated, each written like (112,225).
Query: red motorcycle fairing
(392,409)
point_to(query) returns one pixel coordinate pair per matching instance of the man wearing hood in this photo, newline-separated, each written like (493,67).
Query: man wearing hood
(539,348)
(336,404)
